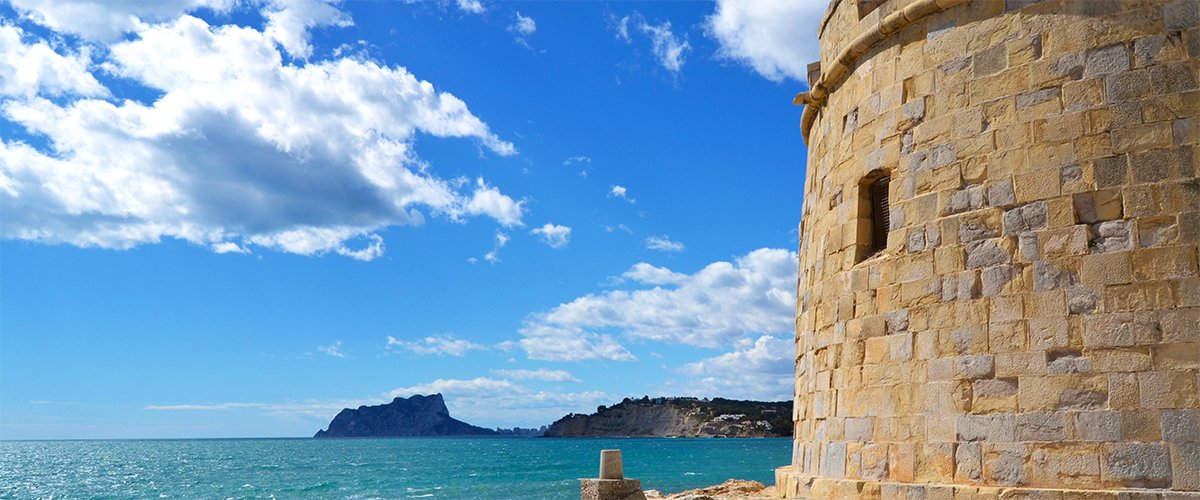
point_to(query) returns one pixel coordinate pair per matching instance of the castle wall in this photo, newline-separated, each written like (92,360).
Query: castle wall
(1033,325)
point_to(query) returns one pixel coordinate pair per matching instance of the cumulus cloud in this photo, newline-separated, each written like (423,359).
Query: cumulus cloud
(663,244)
(472,6)
(542,374)
(334,349)
(758,369)
(523,27)
(650,275)
(554,235)
(493,256)
(714,307)
(488,200)
(106,20)
(241,149)
(669,49)
(777,38)
(289,22)
(27,70)
(437,345)
(621,192)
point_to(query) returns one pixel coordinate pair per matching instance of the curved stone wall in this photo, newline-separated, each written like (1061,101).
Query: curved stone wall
(1032,328)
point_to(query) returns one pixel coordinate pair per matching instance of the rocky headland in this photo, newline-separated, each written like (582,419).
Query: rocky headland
(679,417)
(416,416)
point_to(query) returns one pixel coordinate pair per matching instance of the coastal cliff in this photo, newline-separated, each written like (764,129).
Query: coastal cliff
(416,416)
(682,417)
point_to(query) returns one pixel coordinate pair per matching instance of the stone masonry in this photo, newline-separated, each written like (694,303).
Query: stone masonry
(1032,327)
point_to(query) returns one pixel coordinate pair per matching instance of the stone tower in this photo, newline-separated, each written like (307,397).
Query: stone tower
(998,291)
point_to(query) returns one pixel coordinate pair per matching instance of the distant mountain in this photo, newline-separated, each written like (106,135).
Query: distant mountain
(683,417)
(416,416)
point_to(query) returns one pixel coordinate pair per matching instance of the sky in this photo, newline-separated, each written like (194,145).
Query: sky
(233,218)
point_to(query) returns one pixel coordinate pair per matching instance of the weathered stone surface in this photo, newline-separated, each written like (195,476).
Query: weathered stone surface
(611,489)
(1136,464)
(1041,426)
(1045,217)
(1106,61)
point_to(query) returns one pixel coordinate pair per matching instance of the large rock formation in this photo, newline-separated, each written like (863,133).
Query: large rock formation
(685,417)
(416,416)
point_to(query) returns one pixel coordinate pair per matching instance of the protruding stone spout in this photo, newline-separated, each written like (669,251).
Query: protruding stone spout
(612,484)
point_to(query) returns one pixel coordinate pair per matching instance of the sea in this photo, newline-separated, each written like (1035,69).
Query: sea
(443,467)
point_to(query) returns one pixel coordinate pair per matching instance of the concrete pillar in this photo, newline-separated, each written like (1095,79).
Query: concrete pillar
(610,465)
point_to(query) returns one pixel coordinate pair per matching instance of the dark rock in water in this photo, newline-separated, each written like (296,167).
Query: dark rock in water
(416,416)
(680,417)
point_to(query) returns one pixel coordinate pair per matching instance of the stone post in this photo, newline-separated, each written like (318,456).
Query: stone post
(612,484)
(610,465)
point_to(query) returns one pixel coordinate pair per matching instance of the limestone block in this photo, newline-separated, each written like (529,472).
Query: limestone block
(1065,362)
(1168,389)
(994,395)
(1057,465)
(1106,61)
(1185,465)
(1141,425)
(1177,356)
(1106,269)
(986,253)
(1165,263)
(1135,464)
(1141,138)
(1004,463)
(611,489)
(1048,333)
(968,463)
(1111,171)
(1019,364)
(1028,217)
(1041,426)
(1007,336)
(1097,426)
(1181,426)
(994,427)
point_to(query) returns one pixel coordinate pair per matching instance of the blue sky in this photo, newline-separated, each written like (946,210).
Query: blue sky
(234,218)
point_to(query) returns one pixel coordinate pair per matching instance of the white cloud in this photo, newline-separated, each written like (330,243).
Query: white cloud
(622,192)
(759,369)
(647,274)
(321,411)
(523,27)
(670,50)
(663,244)
(498,402)
(204,162)
(724,302)
(107,20)
(487,200)
(584,163)
(542,374)
(480,401)
(493,256)
(334,349)
(439,345)
(778,38)
(289,22)
(472,6)
(618,227)
(554,235)
(27,70)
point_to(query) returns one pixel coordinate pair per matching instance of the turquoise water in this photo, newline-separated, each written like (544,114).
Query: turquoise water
(468,468)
